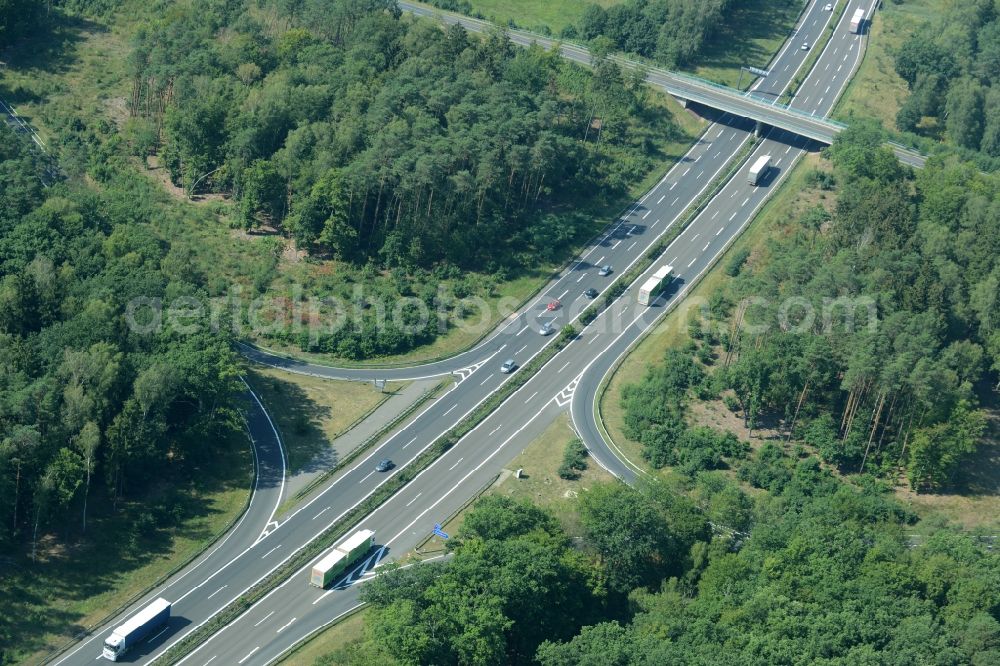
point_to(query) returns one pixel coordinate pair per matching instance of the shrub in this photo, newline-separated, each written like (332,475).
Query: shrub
(574,460)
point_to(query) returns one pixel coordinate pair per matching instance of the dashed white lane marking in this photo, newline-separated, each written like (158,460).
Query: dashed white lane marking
(263,619)
(661,199)
(366,478)
(415,439)
(647,213)
(827,90)
(158,635)
(593,338)
(733,216)
(287,625)
(250,653)
(719,231)
(564,293)
(676,199)
(673,185)
(520,350)
(563,368)
(695,237)
(580,279)
(839,67)
(531,397)
(210,660)
(686,172)
(715,214)
(321,513)
(692,262)
(414,499)
(733,195)
(450,409)
(787,149)
(526,328)
(270,551)
(217,591)
(631,246)
(456,463)
(493,432)
(745,201)
(706,246)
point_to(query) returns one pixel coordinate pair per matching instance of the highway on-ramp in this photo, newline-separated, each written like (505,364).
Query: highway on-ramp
(295,609)
(192,586)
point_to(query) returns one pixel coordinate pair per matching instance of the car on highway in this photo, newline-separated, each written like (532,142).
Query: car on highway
(508,366)
(383,465)
(590,293)
(605,270)
(553,305)
(828,8)
(805,46)
(547,328)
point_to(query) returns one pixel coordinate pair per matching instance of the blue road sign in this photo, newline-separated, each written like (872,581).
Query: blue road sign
(438,531)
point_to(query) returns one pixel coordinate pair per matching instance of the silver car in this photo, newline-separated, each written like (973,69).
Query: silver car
(508,366)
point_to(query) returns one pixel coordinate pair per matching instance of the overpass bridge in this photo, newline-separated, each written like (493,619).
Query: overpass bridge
(683,86)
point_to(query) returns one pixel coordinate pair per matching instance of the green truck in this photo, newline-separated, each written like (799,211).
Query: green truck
(341,557)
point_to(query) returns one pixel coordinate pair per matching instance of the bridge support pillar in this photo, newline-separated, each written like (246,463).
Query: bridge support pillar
(759,129)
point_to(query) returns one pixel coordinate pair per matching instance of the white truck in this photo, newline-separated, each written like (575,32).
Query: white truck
(858,20)
(652,286)
(758,169)
(140,625)
(334,564)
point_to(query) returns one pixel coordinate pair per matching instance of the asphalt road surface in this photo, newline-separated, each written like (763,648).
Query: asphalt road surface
(296,609)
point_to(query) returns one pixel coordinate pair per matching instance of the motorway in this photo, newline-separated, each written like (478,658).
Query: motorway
(191,587)
(295,609)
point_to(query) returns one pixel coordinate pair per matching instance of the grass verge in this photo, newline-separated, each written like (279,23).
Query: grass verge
(335,637)
(311,412)
(541,17)
(76,585)
(752,34)
(877,91)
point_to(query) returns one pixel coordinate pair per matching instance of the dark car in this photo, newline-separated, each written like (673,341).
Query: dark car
(384,465)
(590,293)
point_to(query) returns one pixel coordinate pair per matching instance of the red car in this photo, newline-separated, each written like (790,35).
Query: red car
(554,305)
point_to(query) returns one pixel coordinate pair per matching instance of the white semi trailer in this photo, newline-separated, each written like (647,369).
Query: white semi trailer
(137,627)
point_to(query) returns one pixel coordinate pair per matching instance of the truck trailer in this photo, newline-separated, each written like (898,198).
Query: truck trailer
(334,564)
(858,20)
(137,627)
(758,169)
(652,286)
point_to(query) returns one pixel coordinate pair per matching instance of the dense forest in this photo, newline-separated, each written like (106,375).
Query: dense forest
(398,149)
(671,32)
(867,332)
(91,409)
(814,572)
(952,68)
(371,136)
(18,18)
